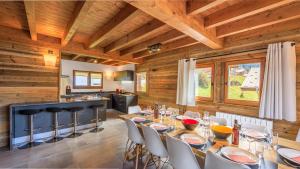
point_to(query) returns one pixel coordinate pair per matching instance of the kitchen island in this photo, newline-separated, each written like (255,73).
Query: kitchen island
(44,121)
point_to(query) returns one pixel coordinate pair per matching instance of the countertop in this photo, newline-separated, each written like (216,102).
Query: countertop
(63,100)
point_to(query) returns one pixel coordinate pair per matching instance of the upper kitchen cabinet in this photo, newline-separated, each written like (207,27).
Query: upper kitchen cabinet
(126,75)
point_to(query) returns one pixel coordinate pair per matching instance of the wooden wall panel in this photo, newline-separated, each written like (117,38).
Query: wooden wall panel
(24,78)
(162,74)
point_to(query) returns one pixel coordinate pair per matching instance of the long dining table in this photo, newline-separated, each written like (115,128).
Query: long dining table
(269,155)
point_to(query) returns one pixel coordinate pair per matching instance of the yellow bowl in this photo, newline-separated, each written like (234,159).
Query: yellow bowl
(221,132)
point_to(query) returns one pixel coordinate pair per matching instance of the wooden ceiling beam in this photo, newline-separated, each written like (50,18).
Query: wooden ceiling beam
(173,13)
(164,38)
(76,57)
(153,27)
(106,61)
(242,10)
(195,7)
(80,12)
(180,43)
(125,15)
(31,20)
(264,19)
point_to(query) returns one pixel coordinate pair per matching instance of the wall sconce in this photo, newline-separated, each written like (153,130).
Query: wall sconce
(50,59)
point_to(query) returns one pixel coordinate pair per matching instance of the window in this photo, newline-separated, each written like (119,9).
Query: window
(141,82)
(204,82)
(243,81)
(87,80)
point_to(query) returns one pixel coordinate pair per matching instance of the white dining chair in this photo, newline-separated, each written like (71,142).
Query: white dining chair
(194,115)
(214,161)
(181,155)
(255,127)
(220,121)
(298,136)
(155,146)
(135,141)
(134,109)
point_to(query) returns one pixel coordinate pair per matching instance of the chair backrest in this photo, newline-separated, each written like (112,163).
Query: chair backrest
(133,133)
(298,136)
(220,121)
(214,161)
(191,114)
(181,155)
(174,110)
(153,142)
(134,109)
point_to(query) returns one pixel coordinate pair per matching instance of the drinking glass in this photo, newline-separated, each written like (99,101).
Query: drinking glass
(274,143)
(259,151)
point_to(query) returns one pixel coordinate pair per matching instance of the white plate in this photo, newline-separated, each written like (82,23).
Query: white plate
(289,154)
(193,139)
(168,113)
(228,152)
(254,134)
(138,119)
(181,117)
(159,127)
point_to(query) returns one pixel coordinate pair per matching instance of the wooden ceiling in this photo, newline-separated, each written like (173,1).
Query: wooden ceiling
(119,32)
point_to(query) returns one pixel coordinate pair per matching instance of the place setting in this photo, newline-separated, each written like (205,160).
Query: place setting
(289,156)
(140,120)
(161,128)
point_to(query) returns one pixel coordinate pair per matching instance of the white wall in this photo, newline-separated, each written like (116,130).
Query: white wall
(67,67)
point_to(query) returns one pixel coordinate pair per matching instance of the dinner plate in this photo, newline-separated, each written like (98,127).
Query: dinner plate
(159,127)
(168,113)
(239,155)
(193,139)
(290,154)
(254,134)
(138,119)
(181,117)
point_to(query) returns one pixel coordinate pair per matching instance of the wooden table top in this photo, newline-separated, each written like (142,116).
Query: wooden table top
(270,155)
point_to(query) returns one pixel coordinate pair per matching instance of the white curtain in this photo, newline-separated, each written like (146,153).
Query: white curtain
(278,99)
(186,82)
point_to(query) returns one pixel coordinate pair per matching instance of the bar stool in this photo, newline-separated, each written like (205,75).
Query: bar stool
(30,113)
(55,111)
(75,110)
(96,109)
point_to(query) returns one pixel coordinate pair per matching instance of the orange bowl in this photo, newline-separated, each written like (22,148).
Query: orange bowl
(190,124)
(221,132)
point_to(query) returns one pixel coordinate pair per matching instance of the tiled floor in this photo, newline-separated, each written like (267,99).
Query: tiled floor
(91,150)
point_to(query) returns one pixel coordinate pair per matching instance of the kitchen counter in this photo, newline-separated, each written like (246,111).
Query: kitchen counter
(62,100)
(44,121)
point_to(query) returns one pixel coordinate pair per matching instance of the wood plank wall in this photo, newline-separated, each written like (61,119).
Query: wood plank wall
(24,78)
(162,84)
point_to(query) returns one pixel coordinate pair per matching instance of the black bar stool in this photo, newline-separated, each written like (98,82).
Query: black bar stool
(75,111)
(55,111)
(30,113)
(96,110)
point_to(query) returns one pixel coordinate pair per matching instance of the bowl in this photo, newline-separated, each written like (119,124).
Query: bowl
(190,124)
(221,132)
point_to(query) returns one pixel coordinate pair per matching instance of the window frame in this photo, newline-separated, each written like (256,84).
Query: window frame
(136,83)
(244,61)
(89,86)
(212,66)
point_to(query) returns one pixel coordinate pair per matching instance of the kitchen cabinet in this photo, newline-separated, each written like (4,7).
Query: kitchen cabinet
(121,102)
(126,75)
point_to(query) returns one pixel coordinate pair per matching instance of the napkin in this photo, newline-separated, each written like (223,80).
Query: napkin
(297,159)
(193,141)
(241,158)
